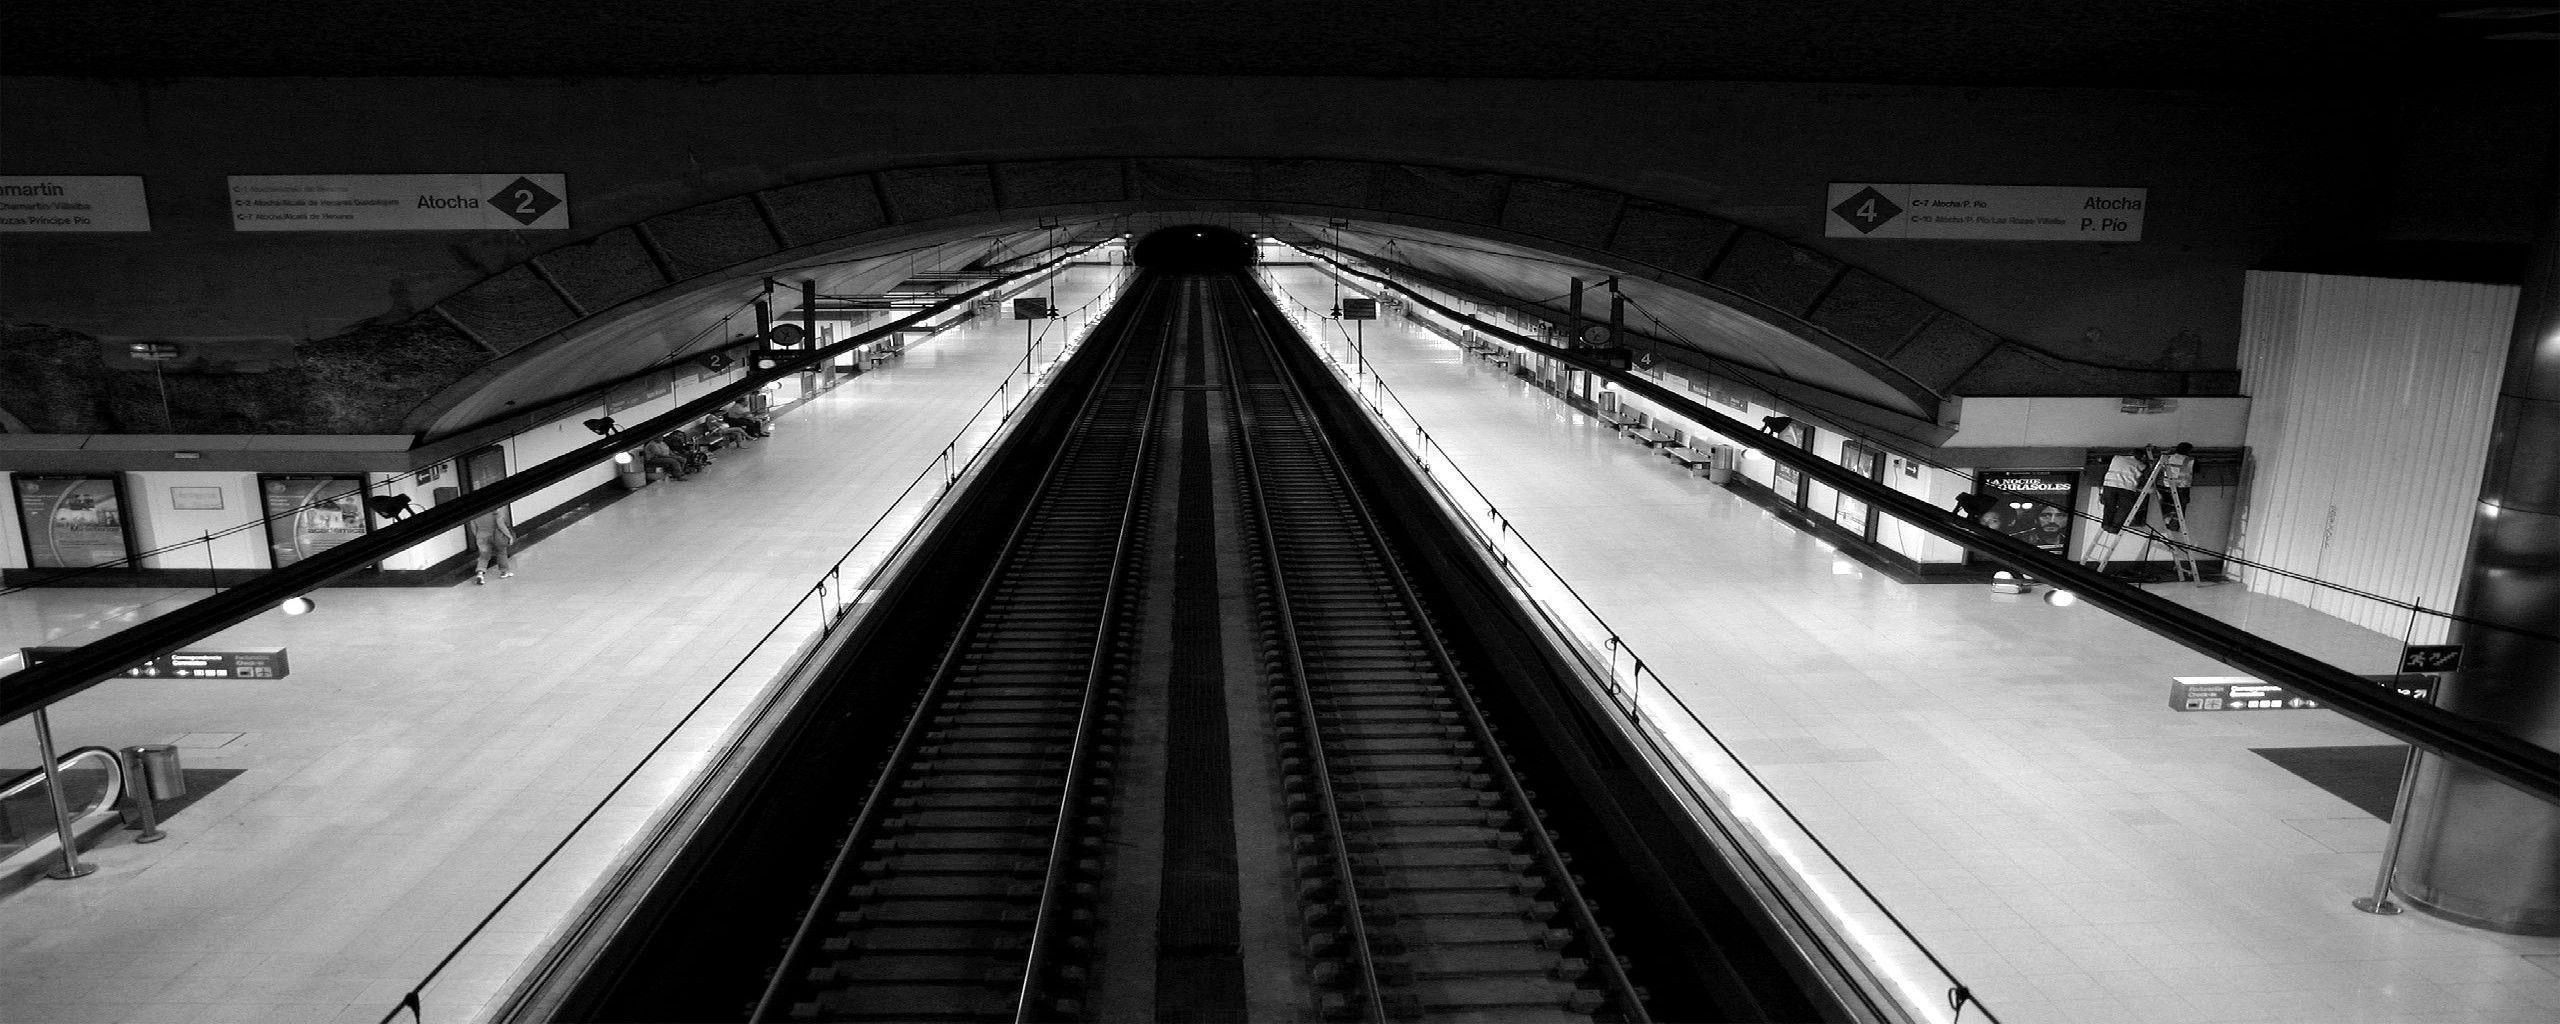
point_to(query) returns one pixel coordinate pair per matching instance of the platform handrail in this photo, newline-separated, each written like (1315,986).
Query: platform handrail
(1502,540)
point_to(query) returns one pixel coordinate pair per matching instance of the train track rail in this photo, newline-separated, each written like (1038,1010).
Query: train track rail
(964,891)
(1425,881)
(1433,890)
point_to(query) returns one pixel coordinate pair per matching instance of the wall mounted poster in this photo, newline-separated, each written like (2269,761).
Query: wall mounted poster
(307,515)
(2033,506)
(72,522)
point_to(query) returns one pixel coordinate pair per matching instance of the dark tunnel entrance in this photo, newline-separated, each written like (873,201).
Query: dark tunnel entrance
(1194,247)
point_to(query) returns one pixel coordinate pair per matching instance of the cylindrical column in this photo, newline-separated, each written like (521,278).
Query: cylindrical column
(2479,852)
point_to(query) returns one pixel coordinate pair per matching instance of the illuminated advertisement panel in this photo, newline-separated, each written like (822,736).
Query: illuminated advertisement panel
(72,522)
(2033,506)
(307,515)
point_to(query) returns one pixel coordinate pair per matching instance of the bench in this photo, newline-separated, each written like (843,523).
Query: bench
(1691,459)
(1655,437)
(1617,421)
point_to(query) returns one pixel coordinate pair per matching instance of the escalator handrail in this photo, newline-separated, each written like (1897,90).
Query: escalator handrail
(34,777)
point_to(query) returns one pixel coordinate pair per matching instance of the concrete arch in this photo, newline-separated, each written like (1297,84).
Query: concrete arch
(1914,346)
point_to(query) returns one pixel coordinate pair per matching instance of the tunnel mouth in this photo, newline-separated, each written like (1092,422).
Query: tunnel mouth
(1194,248)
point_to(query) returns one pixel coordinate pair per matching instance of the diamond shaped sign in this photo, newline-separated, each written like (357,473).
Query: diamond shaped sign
(1867,210)
(525,201)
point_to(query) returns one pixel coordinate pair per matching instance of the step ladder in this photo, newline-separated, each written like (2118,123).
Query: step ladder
(2148,509)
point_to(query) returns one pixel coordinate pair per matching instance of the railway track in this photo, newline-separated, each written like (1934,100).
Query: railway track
(965,890)
(1432,888)
(1424,881)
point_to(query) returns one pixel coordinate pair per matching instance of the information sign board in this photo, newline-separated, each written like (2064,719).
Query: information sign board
(1359,309)
(2248,693)
(2009,213)
(1031,309)
(399,202)
(249,663)
(73,202)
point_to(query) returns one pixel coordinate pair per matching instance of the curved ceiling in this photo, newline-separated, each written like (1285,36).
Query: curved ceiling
(715,312)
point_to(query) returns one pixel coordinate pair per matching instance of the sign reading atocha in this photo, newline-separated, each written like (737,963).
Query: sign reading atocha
(399,202)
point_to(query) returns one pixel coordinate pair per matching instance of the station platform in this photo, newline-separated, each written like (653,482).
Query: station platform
(2005,775)
(432,746)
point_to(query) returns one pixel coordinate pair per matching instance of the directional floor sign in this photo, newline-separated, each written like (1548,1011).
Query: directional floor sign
(399,202)
(2017,213)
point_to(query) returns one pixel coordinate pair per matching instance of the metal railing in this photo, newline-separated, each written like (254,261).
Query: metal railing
(1706,768)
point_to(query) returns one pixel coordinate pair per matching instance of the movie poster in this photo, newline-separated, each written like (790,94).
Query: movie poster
(2033,506)
(307,515)
(71,522)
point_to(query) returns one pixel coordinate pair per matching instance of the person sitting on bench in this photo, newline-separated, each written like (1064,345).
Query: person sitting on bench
(736,415)
(657,454)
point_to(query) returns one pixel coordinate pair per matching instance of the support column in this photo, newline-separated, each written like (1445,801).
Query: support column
(2479,852)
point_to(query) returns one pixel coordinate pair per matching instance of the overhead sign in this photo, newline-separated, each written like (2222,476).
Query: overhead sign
(73,202)
(1999,213)
(1031,309)
(2431,658)
(253,663)
(2248,693)
(399,202)
(1359,309)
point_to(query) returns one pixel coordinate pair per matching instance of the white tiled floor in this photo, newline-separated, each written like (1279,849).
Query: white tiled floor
(432,745)
(2007,775)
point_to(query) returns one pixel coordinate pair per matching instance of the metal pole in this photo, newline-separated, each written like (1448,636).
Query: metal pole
(2380,901)
(71,865)
(167,419)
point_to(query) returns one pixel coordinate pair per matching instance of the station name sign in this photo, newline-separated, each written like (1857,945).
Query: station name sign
(399,202)
(1985,213)
(251,663)
(73,202)
(2248,693)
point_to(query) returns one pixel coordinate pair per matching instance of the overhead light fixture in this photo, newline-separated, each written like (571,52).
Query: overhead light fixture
(1777,424)
(296,606)
(388,506)
(602,425)
(186,455)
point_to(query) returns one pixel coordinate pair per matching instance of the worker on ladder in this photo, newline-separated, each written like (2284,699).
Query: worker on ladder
(2149,489)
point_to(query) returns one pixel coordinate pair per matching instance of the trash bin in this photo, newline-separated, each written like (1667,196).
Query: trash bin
(1720,459)
(159,770)
(633,473)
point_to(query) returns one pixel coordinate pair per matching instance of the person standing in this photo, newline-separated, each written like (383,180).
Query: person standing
(2118,491)
(496,543)
(2177,480)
